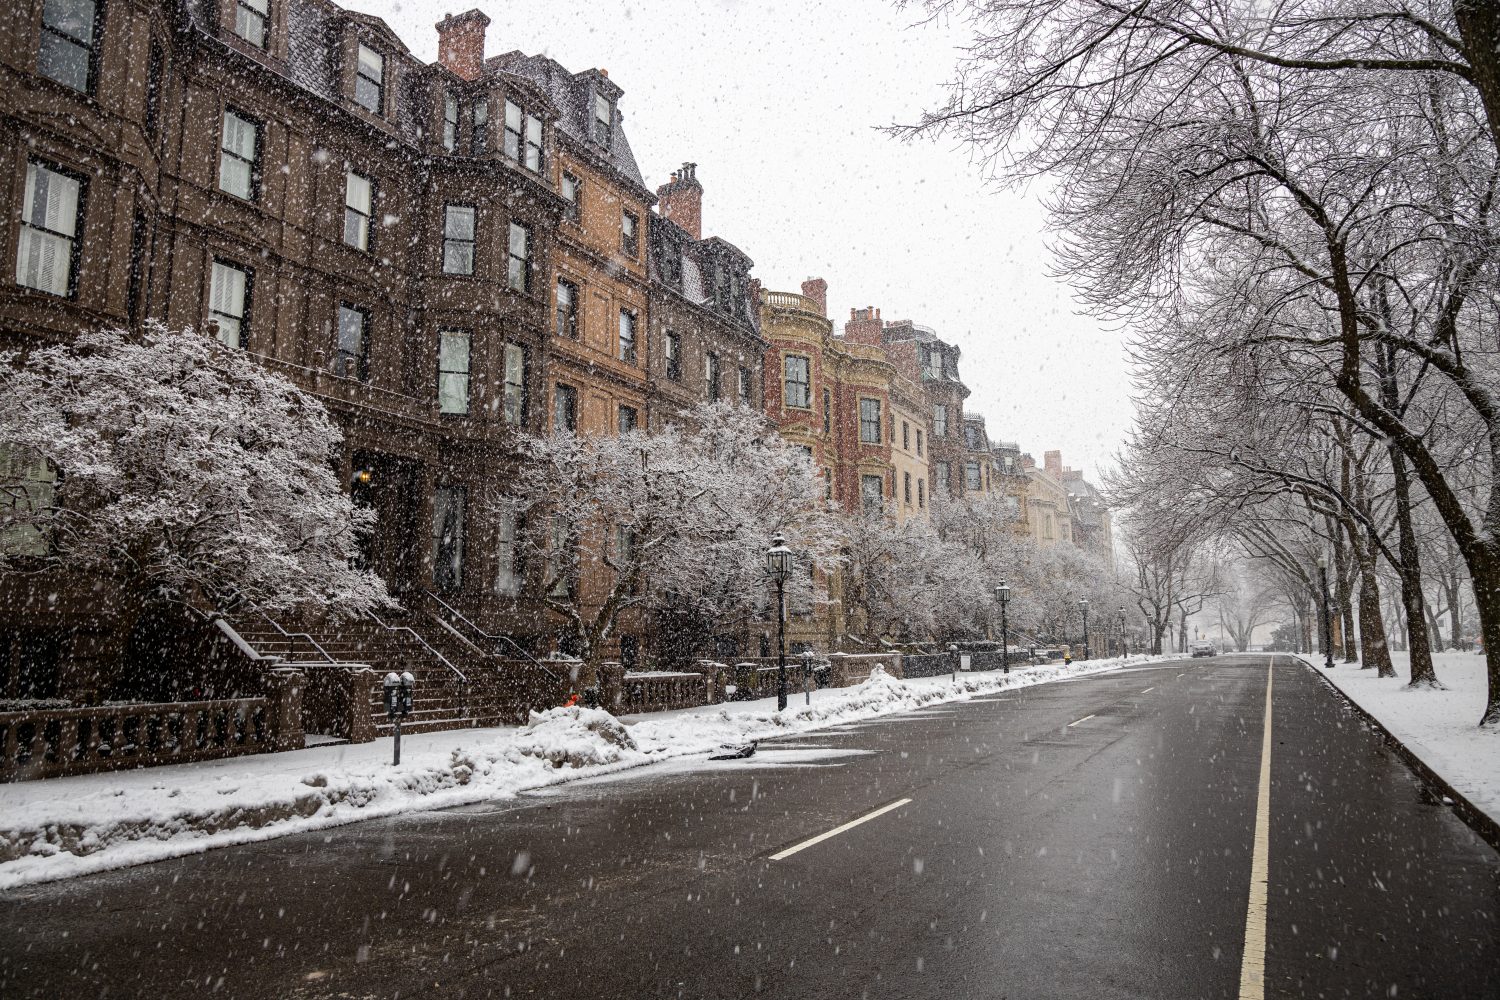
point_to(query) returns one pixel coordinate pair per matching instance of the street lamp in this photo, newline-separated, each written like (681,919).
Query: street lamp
(1083,604)
(1124,639)
(1002,594)
(398,703)
(779,568)
(1327,620)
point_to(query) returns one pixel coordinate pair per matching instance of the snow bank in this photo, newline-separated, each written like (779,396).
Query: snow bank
(1439,726)
(62,827)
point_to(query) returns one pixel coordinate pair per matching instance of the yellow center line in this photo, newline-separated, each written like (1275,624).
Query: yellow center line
(837,830)
(1253,965)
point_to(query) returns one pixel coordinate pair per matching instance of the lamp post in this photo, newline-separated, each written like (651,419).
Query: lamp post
(398,703)
(1124,639)
(1083,605)
(779,568)
(1327,621)
(1002,594)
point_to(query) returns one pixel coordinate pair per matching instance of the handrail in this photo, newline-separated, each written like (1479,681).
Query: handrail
(296,635)
(425,645)
(240,643)
(492,638)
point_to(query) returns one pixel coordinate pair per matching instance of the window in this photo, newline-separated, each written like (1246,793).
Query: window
(972,477)
(871,492)
(624,545)
(567,309)
(448,538)
(515,385)
(458,239)
(627,336)
(828,484)
(919,442)
(450,120)
(869,421)
(453,371)
(50,213)
(559,558)
(351,358)
(519,273)
(921,493)
(229,301)
(827,411)
(672,346)
(630,239)
(971,437)
(479,136)
(944,478)
(906,488)
(369,80)
(135,282)
(239,156)
(905,436)
(153,90)
(929,370)
(565,408)
(711,376)
(250,18)
(628,417)
(798,388)
(66,51)
(745,386)
(523,137)
(509,563)
(572,192)
(940,421)
(604,116)
(359,206)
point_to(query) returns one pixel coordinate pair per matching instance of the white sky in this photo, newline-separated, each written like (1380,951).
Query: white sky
(778,102)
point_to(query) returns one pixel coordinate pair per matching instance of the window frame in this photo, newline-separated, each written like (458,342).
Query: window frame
(787,382)
(565,323)
(563,392)
(510,576)
(621,421)
(672,355)
(518,265)
(450,120)
(247,8)
(630,234)
(479,126)
(242,321)
(711,377)
(602,125)
(91,49)
(446,375)
(258,131)
(746,386)
(360,362)
(629,351)
(75,251)
(368,215)
(867,502)
(515,399)
(574,210)
(940,420)
(472,241)
(360,49)
(906,488)
(869,427)
(455,583)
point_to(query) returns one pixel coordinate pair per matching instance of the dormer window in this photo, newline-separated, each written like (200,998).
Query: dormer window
(479,138)
(250,18)
(523,137)
(369,80)
(604,118)
(450,121)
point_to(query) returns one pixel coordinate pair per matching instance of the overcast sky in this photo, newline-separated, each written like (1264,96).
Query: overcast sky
(778,102)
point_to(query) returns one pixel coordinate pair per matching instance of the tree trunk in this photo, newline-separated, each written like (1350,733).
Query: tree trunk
(1418,643)
(1374,651)
(1479,29)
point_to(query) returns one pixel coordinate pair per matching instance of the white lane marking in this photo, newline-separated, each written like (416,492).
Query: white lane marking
(1179,675)
(1253,965)
(1077,721)
(838,830)
(1148,690)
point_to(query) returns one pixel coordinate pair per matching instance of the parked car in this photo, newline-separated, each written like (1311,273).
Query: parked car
(1203,649)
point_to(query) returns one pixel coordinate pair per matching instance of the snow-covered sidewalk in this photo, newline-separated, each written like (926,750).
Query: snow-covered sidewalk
(1440,727)
(63,827)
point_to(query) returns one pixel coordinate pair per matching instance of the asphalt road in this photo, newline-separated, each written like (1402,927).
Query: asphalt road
(1085,839)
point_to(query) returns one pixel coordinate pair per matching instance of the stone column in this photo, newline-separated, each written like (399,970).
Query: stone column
(283,687)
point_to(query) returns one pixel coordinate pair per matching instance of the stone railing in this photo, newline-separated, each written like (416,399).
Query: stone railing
(792,302)
(662,690)
(50,743)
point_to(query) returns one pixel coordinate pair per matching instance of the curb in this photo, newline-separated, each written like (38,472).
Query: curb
(1474,817)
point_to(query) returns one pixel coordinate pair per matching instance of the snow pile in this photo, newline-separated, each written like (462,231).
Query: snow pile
(1439,726)
(64,827)
(577,737)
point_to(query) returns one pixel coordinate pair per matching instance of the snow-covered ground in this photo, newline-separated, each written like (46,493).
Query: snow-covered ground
(1440,727)
(64,827)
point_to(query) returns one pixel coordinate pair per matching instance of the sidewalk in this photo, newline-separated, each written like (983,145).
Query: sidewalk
(1439,727)
(63,827)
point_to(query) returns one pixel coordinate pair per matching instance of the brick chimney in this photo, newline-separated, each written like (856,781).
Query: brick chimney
(461,43)
(864,326)
(817,290)
(1053,460)
(681,200)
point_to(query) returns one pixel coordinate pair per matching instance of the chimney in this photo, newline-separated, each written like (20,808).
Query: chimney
(461,43)
(681,200)
(1053,459)
(864,326)
(817,290)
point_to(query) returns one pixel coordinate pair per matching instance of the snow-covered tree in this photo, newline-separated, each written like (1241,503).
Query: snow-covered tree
(681,517)
(178,470)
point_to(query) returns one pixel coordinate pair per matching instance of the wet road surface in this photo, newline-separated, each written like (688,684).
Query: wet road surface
(1087,839)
